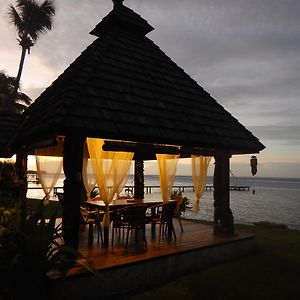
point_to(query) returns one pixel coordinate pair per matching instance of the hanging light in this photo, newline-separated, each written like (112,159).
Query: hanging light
(253,164)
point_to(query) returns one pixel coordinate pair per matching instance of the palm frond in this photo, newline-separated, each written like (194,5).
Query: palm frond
(7,84)
(48,6)
(23,3)
(38,17)
(15,19)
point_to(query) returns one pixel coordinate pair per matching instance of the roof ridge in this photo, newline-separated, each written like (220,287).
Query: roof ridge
(123,17)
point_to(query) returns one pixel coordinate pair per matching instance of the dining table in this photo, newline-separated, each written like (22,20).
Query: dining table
(98,204)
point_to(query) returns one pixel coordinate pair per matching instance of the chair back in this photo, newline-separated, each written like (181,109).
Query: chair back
(84,214)
(168,211)
(135,215)
(177,212)
(60,197)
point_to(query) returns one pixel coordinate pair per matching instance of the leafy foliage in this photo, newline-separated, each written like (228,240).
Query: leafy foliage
(7,102)
(9,185)
(184,201)
(32,252)
(94,193)
(7,171)
(31,19)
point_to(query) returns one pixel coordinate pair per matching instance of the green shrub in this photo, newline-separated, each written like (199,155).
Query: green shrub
(185,202)
(32,251)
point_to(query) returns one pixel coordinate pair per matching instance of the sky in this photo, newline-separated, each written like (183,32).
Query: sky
(244,53)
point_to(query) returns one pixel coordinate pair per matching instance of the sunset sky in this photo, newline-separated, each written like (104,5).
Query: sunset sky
(244,53)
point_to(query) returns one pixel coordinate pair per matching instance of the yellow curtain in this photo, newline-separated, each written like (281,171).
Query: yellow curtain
(122,184)
(110,169)
(88,176)
(167,165)
(199,172)
(49,164)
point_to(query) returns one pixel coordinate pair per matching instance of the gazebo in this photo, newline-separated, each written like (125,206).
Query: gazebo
(124,89)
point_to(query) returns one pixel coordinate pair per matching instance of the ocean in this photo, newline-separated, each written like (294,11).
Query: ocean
(269,199)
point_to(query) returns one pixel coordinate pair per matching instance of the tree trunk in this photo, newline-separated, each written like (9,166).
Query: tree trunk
(18,78)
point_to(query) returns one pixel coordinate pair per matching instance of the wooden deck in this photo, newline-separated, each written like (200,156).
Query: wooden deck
(140,267)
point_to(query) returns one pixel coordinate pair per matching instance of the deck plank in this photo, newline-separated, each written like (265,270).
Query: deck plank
(196,235)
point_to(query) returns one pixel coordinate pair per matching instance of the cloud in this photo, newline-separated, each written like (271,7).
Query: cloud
(285,133)
(244,53)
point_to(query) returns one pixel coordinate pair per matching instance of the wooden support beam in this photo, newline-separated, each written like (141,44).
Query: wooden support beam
(72,164)
(146,151)
(21,172)
(139,178)
(223,218)
(188,151)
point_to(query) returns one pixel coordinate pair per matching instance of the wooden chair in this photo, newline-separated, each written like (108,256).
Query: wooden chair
(178,212)
(132,219)
(92,218)
(88,217)
(118,224)
(162,215)
(60,197)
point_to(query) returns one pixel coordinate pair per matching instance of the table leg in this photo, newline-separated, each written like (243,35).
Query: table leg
(153,224)
(170,226)
(91,234)
(105,236)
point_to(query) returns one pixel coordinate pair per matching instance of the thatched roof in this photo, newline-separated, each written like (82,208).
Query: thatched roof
(9,123)
(125,87)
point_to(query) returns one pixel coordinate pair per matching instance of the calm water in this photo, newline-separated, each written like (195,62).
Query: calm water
(275,199)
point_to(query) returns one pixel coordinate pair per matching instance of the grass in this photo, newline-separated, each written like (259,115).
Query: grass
(273,272)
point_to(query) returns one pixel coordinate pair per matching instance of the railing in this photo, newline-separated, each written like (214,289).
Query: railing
(182,188)
(33,178)
(129,189)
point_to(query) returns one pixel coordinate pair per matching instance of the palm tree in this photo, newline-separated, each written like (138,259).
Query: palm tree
(30,20)
(16,105)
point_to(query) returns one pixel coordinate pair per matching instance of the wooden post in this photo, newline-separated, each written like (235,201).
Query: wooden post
(223,218)
(21,172)
(72,164)
(139,178)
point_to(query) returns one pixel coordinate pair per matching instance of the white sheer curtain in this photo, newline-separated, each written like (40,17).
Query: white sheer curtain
(199,172)
(110,169)
(89,179)
(49,164)
(167,165)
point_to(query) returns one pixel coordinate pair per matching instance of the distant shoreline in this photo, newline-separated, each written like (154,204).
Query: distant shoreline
(209,176)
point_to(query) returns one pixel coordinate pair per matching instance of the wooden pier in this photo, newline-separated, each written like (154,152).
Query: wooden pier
(129,189)
(32,178)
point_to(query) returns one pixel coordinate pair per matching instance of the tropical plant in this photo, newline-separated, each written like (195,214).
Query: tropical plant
(9,185)
(30,20)
(184,201)
(185,204)
(32,253)
(7,172)
(94,193)
(9,103)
